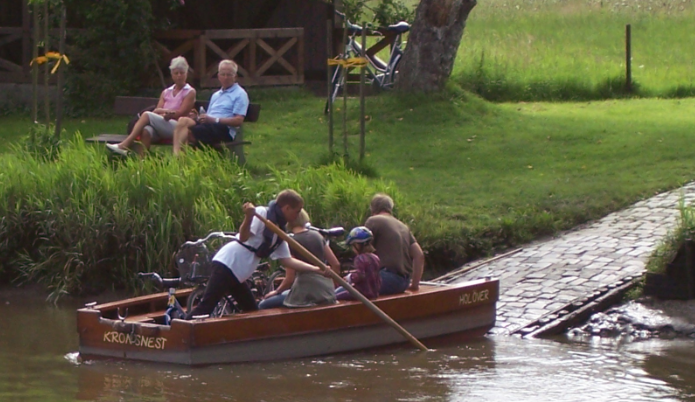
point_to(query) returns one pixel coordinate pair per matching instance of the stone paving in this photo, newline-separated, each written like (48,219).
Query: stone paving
(547,275)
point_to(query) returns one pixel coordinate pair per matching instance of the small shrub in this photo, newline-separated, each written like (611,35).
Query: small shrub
(41,142)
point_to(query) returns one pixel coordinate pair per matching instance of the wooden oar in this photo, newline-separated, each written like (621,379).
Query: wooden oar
(359,296)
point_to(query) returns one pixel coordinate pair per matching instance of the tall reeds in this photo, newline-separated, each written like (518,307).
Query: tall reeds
(83,222)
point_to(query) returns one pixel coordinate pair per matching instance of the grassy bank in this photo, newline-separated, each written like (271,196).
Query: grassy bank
(536,50)
(470,177)
(84,222)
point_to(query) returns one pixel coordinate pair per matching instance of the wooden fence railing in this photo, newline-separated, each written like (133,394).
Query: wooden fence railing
(10,69)
(273,56)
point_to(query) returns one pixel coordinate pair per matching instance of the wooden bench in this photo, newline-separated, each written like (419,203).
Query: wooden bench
(131,106)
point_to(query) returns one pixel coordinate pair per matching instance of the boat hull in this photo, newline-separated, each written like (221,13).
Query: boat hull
(466,310)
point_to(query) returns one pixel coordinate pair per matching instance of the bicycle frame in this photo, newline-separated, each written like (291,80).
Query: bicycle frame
(382,75)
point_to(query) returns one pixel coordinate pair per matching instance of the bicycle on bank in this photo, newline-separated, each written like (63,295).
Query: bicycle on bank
(380,74)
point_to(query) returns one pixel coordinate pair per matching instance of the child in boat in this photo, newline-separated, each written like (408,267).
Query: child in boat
(366,277)
(304,289)
(235,261)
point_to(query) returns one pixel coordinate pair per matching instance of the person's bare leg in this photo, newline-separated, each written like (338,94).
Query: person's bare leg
(141,148)
(146,139)
(181,132)
(138,130)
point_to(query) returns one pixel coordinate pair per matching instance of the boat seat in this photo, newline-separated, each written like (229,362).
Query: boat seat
(148,317)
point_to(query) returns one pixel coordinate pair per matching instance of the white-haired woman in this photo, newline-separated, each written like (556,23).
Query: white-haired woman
(174,102)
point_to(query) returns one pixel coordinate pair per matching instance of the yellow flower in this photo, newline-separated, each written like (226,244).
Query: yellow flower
(39,60)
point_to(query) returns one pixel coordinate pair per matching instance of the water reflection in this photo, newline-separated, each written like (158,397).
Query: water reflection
(672,363)
(399,375)
(35,339)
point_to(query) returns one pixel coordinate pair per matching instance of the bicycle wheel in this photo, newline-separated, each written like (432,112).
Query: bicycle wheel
(195,297)
(225,307)
(274,280)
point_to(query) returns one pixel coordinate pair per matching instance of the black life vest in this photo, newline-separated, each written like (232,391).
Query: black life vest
(266,248)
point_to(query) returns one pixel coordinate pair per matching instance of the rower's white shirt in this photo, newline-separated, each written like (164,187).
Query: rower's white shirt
(242,261)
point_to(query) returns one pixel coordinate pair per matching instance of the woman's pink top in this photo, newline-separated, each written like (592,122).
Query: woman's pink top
(172,102)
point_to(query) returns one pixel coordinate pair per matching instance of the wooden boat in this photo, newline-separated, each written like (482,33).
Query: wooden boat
(464,310)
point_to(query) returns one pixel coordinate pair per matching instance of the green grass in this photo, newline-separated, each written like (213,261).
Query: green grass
(15,126)
(477,177)
(535,50)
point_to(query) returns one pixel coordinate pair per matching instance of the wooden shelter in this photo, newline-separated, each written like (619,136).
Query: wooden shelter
(275,42)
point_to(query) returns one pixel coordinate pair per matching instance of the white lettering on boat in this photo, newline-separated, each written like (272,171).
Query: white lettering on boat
(134,339)
(474,297)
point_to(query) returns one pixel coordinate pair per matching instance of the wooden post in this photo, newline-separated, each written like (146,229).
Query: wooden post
(35,66)
(628,58)
(200,62)
(359,296)
(253,44)
(329,86)
(345,86)
(26,39)
(689,267)
(362,72)
(46,49)
(300,57)
(61,50)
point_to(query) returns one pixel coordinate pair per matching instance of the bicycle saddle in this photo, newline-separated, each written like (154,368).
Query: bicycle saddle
(353,28)
(400,27)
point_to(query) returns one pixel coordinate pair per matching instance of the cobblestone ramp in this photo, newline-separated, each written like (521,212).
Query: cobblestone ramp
(547,275)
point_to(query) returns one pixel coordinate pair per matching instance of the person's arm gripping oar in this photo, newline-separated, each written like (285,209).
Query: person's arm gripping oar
(359,296)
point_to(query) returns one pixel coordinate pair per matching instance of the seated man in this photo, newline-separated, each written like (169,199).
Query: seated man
(235,261)
(400,254)
(225,114)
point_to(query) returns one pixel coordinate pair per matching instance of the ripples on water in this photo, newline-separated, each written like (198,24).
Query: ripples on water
(38,363)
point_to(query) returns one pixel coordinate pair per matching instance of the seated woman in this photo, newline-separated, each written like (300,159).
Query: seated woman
(176,101)
(307,288)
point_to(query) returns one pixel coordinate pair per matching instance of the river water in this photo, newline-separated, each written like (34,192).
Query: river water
(38,363)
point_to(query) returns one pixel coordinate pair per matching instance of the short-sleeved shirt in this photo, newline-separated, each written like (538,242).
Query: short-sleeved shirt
(242,261)
(229,102)
(392,241)
(310,288)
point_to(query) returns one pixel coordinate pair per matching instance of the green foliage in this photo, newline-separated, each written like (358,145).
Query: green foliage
(384,12)
(389,12)
(354,165)
(112,55)
(85,223)
(41,142)
(354,9)
(669,246)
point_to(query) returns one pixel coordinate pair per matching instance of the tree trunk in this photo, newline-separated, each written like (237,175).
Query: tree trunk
(432,45)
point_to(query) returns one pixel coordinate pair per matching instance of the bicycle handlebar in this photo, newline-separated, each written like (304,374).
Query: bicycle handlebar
(357,28)
(160,282)
(211,235)
(331,232)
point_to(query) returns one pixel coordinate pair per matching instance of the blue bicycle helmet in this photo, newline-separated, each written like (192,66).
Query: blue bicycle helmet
(359,235)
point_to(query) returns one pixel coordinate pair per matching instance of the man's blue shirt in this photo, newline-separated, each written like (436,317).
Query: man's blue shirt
(229,102)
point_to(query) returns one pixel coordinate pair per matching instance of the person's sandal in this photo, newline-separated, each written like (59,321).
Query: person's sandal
(115,149)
